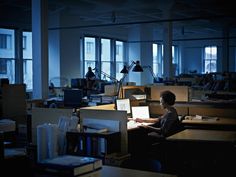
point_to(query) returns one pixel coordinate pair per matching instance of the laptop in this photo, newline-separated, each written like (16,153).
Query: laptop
(140,112)
(123,105)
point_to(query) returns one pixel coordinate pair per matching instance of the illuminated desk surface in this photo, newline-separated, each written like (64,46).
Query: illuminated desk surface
(204,135)
(133,124)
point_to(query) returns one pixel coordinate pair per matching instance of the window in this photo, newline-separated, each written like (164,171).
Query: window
(8,64)
(119,59)
(106,58)
(27,60)
(210,59)
(7,54)
(158,51)
(5,41)
(175,60)
(118,47)
(157,59)
(24,42)
(89,53)
(89,47)
(3,66)
(102,53)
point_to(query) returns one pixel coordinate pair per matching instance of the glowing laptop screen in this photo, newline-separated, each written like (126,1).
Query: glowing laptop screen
(123,104)
(140,112)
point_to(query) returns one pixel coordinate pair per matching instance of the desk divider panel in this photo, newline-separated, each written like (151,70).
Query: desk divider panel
(215,112)
(127,91)
(46,115)
(102,107)
(181,92)
(155,109)
(121,116)
(13,102)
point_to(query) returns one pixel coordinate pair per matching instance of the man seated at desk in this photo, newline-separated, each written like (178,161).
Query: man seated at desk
(169,122)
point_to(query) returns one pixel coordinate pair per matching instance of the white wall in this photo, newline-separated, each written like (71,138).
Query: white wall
(134,53)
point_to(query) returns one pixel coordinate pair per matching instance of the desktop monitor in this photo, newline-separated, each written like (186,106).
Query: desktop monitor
(73,97)
(74,83)
(140,112)
(123,104)
(79,83)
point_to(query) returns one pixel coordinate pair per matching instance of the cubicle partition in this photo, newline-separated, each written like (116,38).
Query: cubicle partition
(181,92)
(13,102)
(109,115)
(156,110)
(213,111)
(46,115)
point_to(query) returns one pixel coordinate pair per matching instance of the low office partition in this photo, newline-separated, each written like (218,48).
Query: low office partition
(181,92)
(46,115)
(115,121)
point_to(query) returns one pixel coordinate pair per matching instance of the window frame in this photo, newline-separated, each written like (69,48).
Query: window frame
(98,58)
(211,59)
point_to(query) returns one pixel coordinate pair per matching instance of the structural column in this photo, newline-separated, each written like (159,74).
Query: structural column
(225,50)
(167,57)
(40,48)
(167,41)
(19,56)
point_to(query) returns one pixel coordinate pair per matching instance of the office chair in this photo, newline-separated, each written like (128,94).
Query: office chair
(157,142)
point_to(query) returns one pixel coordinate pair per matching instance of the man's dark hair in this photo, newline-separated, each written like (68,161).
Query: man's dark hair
(168,97)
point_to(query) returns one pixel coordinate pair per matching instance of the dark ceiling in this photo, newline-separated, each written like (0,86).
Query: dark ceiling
(188,16)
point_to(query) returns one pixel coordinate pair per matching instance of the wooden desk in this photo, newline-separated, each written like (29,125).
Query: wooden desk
(210,152)
(108,171)
(111,171)
(204,135)
(137,138)
(219,123)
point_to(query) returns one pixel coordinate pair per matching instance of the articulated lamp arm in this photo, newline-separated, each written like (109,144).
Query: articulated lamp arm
(151,71)
(107,75)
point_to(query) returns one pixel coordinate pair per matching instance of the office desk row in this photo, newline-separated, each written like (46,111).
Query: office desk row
(219,109)
(108,171)
(202,152)
(197,135)
(217,123)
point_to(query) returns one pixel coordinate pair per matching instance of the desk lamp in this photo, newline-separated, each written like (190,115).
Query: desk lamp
(105,74)
(125,71)
(151,71)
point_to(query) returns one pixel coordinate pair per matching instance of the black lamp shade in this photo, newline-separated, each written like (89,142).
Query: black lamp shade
(137,67)
(124,70)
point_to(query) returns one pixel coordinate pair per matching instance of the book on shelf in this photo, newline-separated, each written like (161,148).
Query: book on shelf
(71,165)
